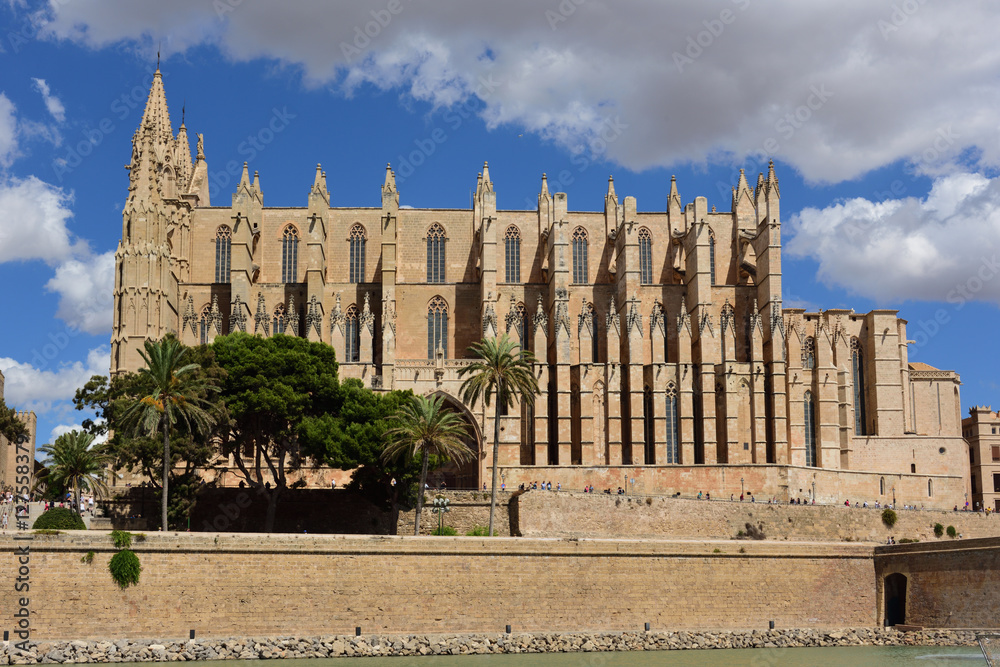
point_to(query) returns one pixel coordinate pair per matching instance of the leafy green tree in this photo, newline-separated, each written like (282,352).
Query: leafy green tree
(424,428)
(73,464)
(175,393)
(278,393)
(10,426)
(504,369)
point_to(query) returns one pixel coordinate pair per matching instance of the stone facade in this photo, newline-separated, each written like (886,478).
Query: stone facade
(661,338)
(9,453)
(981,429)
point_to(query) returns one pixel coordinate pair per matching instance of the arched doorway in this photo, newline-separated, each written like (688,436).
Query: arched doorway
(895,599)
(466,475)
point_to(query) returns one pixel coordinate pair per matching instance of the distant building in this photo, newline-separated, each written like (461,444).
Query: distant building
(982,429)
(667,361)
(9,453)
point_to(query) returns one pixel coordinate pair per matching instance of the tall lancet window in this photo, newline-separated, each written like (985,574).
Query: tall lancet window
(437,327)
(352,335)
(645,257)
(809,353)
(648,426)
(512,245)
(435,254)
(223,253)
(357,259)
(711,255)
(290,255)
(858,371)
(278,321)
(673,426)
(580,247)
(809,410)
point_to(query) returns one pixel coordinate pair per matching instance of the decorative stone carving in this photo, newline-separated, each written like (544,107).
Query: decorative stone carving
(314,316)
(337,317)
(238,317)
(189,317)
(613,319)
(261,317)
(541,319)
(367,318)
(388,315)
(657,320)
(562,311)
(634,318)
(489,318)
(215,315)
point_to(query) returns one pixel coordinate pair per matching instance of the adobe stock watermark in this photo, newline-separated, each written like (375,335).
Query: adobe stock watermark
(250,148)
(900,15)
(562,12)
(423,148)
(120,109)
(702,40)
(958,296)
(363,35)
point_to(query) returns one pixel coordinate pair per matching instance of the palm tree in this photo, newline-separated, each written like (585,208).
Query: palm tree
(425,427)
(74,464)
(505,369)
(177,394)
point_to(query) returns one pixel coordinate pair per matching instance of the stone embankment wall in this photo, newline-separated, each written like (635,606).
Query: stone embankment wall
(954,585)
(310,585)
(562,514)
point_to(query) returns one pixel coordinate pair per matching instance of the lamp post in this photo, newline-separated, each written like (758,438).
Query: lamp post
(440,507)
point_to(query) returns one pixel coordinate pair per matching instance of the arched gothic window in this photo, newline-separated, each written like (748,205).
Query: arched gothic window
(512,245)
(278,321)
(352,335)
(205,325)
(930,488)
(435,254)
(881,486)
(810,423)
(580,244)
(645,257)
(437,327)
(809,353)
(711,255)
(648,426)
(357,267)
(673,426)
(858,372)
(290,255)
(223,253)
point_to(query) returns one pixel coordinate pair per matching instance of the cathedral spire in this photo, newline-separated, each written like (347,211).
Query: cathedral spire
(611,189)
(389,186)
(156,116)
(772,180)
(487,183)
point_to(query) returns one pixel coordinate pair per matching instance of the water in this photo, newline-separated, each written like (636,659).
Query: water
(847,656)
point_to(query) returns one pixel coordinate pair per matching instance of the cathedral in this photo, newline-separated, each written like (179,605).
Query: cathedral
(666,360)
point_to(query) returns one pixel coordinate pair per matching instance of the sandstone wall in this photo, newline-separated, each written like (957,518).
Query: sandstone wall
(466,509)
(951,585)
(252,584)
(551,514)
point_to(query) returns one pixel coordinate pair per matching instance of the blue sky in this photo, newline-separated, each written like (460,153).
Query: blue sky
(881,117)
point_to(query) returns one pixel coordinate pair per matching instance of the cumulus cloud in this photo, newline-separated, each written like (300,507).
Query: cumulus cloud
(40,386)
(85,286)
(61,429)
(8,131)
(33,217)
(52,103)
(834,87)
(945,246)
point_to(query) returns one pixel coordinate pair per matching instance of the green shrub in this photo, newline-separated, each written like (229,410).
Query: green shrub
(889,517)
(88,558)
(938,530)
(952,532)
(907,540)
(445,530)
(716,551)
(121,538)
(124,567)
(47,531)
(139,537)
(60,518)
(479,531)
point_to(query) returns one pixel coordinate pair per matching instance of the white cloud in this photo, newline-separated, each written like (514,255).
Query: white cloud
(40,384)
(85,287)
(834,87)
(52,103)
(8,131)
(61,429)
(33,216)
(943,247)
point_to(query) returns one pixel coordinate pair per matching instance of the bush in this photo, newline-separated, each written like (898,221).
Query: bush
(938,530)
(88,558)
(59,518)
(121,538)
(479,531)
(907,540)
(124,567)
(952,532)
(889,517)
(445,530)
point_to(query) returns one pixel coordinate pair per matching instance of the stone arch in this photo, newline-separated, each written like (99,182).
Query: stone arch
(468,475)
(894,594)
